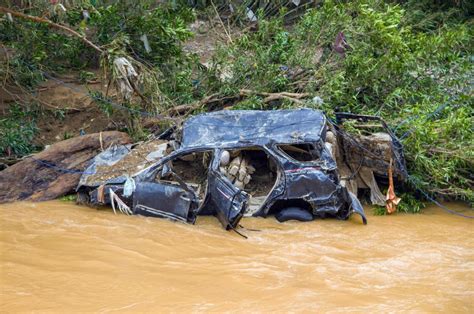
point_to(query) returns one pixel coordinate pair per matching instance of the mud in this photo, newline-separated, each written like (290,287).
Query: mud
(65,108)
(58,257)
(134,161)
(194,168)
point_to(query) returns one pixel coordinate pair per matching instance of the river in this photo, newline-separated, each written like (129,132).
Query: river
(57,257)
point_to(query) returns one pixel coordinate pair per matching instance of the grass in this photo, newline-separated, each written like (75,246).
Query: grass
(17,130)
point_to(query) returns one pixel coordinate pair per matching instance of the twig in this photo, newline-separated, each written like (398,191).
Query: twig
(222,23)
(187,109)
(108,86)
(7,63)
(52,24)
(280,96)
(294,97)
(248,92)
(137,91)
(182,109)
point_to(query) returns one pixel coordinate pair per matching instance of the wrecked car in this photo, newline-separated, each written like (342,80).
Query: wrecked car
(228,164)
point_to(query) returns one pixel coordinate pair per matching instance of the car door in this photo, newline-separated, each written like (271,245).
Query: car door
(226,201)
(165,200)
(172,199)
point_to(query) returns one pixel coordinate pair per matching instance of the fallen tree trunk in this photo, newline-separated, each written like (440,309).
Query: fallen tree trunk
(55,171)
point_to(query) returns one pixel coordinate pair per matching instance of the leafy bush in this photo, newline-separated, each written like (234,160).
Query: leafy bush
(38,48)
(408,204)
(410,63)
(17,130)
(165,27)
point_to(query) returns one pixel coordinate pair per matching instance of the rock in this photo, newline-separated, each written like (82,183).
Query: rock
(55,171)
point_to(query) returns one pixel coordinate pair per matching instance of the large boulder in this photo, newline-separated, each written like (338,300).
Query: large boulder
(55,171)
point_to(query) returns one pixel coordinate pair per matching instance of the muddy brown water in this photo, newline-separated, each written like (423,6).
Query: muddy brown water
(58,257)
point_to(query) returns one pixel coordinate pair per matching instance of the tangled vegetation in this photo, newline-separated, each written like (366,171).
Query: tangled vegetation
(410,62)
(18,128)
(415,73)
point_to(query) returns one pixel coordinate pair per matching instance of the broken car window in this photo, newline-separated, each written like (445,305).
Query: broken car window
(300,152)
(251,170)
(192,169)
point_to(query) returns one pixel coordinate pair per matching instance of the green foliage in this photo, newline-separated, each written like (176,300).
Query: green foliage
(164,26)
(403,62)
(250,103)
(168,76)
(19,71)
(257,60)
(379,210)
(441,152)
(38,48)
(17,130)
(408,204)
(68,198)
(102,102)
(86,76)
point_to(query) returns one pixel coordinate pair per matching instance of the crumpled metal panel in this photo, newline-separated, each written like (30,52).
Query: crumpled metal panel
(238,128)
(108,157)
(164,200)
(315,182)
(226,201)
(374,162)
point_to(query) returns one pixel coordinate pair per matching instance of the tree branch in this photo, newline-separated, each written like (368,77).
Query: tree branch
(294,97)
(52,24)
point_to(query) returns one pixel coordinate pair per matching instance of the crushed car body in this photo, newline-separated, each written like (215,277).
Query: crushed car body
(228,164)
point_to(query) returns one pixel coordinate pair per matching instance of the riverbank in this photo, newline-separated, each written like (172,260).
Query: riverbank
(63,257)
(408,62)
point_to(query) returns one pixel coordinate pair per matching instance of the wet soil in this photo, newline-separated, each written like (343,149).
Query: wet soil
(65,109)
(137,159)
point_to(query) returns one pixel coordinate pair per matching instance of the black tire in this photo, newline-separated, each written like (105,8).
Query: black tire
(294,213)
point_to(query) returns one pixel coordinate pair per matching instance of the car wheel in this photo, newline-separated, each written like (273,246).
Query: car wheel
(294,213)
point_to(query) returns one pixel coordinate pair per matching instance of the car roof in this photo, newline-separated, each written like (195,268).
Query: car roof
(240,128)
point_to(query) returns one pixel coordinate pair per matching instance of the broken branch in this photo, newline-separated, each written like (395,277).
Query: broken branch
(294,97)
(185,109)
(248,92)
(182,109)
(52,24)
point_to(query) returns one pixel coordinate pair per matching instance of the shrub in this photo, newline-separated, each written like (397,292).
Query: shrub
(416,73)
(17,130)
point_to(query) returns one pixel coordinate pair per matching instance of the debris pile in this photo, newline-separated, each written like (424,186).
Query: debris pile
(227,164)
(293,164)
(238,171)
